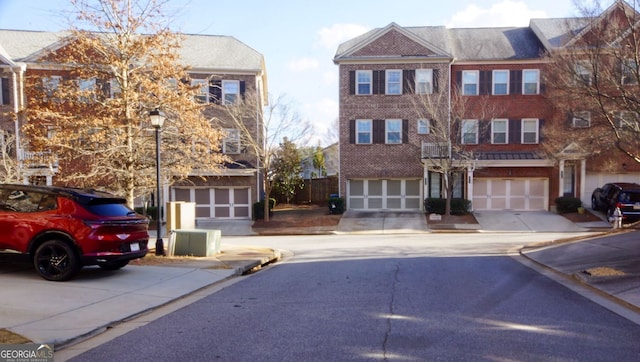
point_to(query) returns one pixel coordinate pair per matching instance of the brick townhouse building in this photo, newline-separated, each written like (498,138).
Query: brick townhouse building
(491,81)
(226,70)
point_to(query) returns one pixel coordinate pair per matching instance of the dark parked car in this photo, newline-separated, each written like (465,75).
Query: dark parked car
(64,229)
(624,195)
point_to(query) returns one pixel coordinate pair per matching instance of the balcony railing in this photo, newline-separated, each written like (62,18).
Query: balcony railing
(30,159)
(434,150)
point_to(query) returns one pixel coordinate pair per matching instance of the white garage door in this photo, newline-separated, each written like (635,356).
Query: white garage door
(510,194)
(217,202)
(384,194)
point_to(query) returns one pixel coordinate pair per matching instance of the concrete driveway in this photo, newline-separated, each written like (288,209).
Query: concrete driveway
(530,221)
(390,222)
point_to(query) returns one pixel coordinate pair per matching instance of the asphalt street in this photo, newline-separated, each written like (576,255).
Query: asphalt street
(386,298)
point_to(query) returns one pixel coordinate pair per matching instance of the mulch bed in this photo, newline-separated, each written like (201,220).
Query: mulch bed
(285,216)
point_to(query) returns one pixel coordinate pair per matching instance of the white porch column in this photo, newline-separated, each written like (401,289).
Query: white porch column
(561,179)
(425,183)
(470,184)
(583,177)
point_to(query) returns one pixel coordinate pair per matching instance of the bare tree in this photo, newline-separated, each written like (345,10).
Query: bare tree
(446,114)
(594,80)
(93,111)
(263,140)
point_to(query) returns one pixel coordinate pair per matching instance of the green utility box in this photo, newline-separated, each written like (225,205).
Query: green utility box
(195,242)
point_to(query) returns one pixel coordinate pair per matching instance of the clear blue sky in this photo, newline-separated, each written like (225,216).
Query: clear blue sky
(299,37)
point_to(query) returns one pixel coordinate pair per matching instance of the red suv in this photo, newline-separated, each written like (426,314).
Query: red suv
(64,229)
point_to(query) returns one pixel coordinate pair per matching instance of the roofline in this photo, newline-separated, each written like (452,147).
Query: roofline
(393,59)
(377,33)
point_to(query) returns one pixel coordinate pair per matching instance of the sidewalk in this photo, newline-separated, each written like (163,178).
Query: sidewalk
(64,313)
(609,264)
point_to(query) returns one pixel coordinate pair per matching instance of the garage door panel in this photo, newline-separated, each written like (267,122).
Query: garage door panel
(510,194)
(384,194)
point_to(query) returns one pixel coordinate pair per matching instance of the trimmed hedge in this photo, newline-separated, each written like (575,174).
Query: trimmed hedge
(258,209)
(567,204)
(339,205)
(437,206)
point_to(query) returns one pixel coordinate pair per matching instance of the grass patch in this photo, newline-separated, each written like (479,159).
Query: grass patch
(8,337)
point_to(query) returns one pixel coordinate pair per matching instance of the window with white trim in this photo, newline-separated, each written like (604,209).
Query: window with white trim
(203,90)
(470,79)
(583,74)
(469,131)
(231,141)
(531,81)
(628,120)
(393,131)
(499,131)
(424,81)
(581,119)
(51,84)
(424,126)
(500,82)
(114,88)
(530,131)
(86,88)
(630,72)
(363,131)
(230,91)
(363,82)
(393,79)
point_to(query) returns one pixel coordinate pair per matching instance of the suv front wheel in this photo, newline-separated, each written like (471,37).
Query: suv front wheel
(55,260)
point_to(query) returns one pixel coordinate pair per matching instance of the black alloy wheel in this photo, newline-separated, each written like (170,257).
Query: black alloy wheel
(56,260)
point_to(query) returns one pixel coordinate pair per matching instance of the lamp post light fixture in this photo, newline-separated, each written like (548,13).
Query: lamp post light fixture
(157,119)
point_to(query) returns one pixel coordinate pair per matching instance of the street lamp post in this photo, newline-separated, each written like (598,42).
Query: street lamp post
(157,119)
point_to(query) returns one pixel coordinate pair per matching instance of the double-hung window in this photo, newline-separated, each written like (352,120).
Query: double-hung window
(114,88)
(529,131)
(500,82)
(424,81)
(581,119)
(393,131)
(230,91)
(583,74)
(364,131)
(50,85)
(630,72)
(203,90)
(87,88)
(423,126)
(628,120)
(499,131)
(470,80)
(394,81)
(363,82)
(530,81)
(231,141)
(469,131)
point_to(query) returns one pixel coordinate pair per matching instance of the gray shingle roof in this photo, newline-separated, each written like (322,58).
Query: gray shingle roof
(478,44)
(494,44)
(555,33)
(205,52)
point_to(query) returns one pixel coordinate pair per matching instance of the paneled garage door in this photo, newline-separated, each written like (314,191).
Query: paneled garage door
(384,194)
(217,202)
(510,194)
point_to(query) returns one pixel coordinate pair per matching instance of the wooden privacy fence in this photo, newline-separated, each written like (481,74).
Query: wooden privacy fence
(315,191)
